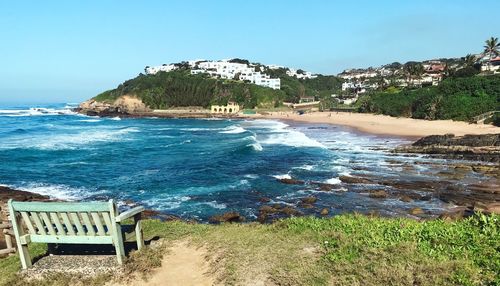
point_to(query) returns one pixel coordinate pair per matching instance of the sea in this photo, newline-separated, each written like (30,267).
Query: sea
(198,168)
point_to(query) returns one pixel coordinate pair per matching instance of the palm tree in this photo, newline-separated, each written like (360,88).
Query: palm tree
(469,60)
(492,47)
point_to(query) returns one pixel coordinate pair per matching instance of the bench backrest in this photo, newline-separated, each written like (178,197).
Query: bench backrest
(82,219)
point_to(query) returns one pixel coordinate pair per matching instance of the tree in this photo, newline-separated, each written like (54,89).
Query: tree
(492,47)
(469,60)
(413,70)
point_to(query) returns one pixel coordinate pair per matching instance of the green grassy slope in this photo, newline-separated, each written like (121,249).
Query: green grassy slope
(179,88)
(343,250)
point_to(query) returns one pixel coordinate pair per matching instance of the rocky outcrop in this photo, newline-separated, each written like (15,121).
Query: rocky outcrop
(227,217)
(122,106)
(485,147)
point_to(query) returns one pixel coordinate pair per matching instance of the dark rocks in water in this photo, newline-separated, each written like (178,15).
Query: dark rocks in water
(264,200)
(380,194)
(308,200)
(291,211)
(405,198)
(485,147)
(291,181)
(17,195)
(276,211)
(466,140)
(416,211)
(471,195)
(324,212)
(354,180)
(415,185)
(324,187)
(227,217)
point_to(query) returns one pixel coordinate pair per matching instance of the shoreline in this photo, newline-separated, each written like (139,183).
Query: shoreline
(374,124)
(384,125)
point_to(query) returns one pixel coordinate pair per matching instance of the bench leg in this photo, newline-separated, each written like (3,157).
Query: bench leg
(24,256)
(139,236)
(119,247)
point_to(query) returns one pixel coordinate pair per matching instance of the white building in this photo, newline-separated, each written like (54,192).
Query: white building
(301,75)
(165,68)
(228,70)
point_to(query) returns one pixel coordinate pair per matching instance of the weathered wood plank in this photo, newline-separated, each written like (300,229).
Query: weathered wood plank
(98,223)
(7,250)
(28,222)
(60,206)
(117,234)
(88,225)
(24,254)
(57,222)
(38,223)
(66,239)
(76,221)
(67,223)
(130,213)
(48,223)
(107,221)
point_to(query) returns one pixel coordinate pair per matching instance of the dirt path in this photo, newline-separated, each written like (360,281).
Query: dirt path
(183,265)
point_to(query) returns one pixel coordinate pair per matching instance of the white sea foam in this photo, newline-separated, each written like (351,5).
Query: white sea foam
(168,203)
(278,134)
(256,146)
(90,120)
(34,112)
(233,130)
(333,181)
(251,176)
(115,118)
(70,140)
(57,191)
(214,204)
(283,176)
(291,138)
(306,167)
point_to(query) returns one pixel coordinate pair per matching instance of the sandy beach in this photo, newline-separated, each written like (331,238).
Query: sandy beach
(385,125)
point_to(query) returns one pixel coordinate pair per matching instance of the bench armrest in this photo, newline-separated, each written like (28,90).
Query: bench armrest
(130,213)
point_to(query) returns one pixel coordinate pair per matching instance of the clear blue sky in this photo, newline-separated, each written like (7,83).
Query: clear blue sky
(67,51)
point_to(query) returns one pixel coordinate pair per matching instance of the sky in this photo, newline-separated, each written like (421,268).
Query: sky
(69,51)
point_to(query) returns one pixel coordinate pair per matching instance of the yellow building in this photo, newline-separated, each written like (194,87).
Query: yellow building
(230,108)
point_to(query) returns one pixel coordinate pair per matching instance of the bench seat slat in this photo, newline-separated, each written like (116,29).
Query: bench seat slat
(48,223)
(71,239)
(29,223)
(67,223)
(98,223)
(76,221)
(88,225)
(55,218)
(60,206)
(107,222)
(38,223)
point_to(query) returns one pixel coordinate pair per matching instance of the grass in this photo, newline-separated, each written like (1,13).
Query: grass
(343,250)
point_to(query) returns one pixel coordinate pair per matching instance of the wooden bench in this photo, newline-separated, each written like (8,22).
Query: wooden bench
(73,223)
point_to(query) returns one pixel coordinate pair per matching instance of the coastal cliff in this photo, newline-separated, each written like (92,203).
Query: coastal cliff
(122,105)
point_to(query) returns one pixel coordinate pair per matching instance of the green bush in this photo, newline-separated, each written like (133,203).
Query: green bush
(454,98)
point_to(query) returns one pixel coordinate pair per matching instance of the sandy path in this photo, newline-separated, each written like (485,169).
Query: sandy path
(386,125)
(183,265)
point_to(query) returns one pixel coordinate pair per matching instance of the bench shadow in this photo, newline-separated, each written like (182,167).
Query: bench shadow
(90,249)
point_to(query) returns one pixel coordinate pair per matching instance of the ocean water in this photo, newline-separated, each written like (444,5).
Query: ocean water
(196,168)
